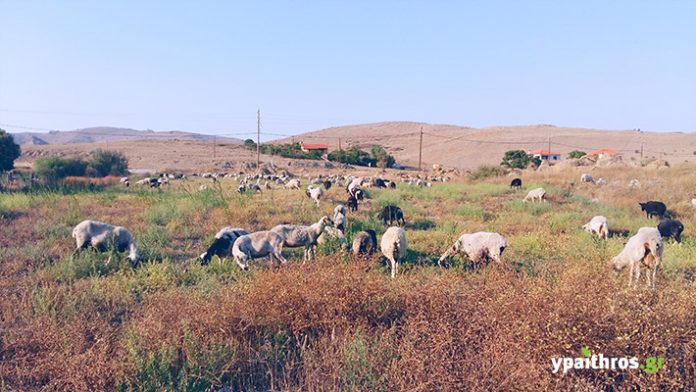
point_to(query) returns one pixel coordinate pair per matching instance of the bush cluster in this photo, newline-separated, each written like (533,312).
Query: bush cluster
(102,163)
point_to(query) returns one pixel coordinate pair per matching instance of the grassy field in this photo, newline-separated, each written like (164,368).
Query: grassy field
(75,323)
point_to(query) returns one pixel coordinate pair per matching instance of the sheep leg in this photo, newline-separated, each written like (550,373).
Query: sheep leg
(630,276)
(637,277)
(653,276)
(393,268)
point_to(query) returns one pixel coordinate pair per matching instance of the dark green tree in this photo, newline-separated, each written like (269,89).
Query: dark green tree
(382,158)
(107,163)
(516,159)
(9,151)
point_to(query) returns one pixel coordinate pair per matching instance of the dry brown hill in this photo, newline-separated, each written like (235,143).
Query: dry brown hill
(468,148)
(449,145)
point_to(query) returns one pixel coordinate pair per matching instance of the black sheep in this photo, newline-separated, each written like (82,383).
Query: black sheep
(653,208)
(392,213)
(516,183)
(671,228)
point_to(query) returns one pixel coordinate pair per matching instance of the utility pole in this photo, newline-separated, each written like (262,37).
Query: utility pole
(420,151)
(258,139)
(214,146)
(641,153)
(339,144)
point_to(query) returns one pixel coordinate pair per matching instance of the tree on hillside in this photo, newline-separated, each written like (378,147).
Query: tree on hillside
(382,158)
(576,154)
(107,163)
(9,151)
(517,159)
(250,144)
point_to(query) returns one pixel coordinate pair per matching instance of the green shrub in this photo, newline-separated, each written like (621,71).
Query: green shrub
(107,163)
(484,172)
(355,156)
(55,168)
(576,154)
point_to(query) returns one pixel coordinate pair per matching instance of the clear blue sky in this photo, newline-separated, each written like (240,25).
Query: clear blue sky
(207,66)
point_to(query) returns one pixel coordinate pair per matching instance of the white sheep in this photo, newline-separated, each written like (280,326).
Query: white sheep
(601,181)
(634,184)
(293,184)
(315,193)
(394,246)
(354,186)
(332,234)
(536,194)
(295,236)
(693,202)
(643,248)
(598,225)
(100,235)
(257,245)
(339,217)
(586,177)
(222,245)
(478,247)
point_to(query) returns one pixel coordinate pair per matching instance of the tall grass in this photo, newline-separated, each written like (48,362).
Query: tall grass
(77,323)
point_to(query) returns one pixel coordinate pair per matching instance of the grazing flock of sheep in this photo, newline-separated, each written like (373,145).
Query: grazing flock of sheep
(644,249)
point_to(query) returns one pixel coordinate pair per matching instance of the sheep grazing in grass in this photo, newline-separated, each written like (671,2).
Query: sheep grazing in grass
(339,217)
(354,186)
(671,228)
(598,225)
(653,208)
(394,247)
(538,194)
(222,245)
(364,243)
(390,214)
(332,234)
(352,203)
(586,177)
(644,248)
(478,247)
(295,236)
(293,184)
(516,183)
(327,185)
(257,245)
(100,235)
(315,193)
(634,184)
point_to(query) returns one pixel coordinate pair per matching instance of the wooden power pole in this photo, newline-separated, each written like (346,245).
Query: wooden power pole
(420,151)
(258,139)
(339,144)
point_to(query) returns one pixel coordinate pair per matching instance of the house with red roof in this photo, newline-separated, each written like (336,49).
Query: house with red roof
(307,147)
(546,155)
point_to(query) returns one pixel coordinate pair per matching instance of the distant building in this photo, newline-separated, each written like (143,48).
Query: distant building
(324,148)
(546,155)
(606,152)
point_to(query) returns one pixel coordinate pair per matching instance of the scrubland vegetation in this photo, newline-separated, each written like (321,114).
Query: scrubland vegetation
(75,323)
